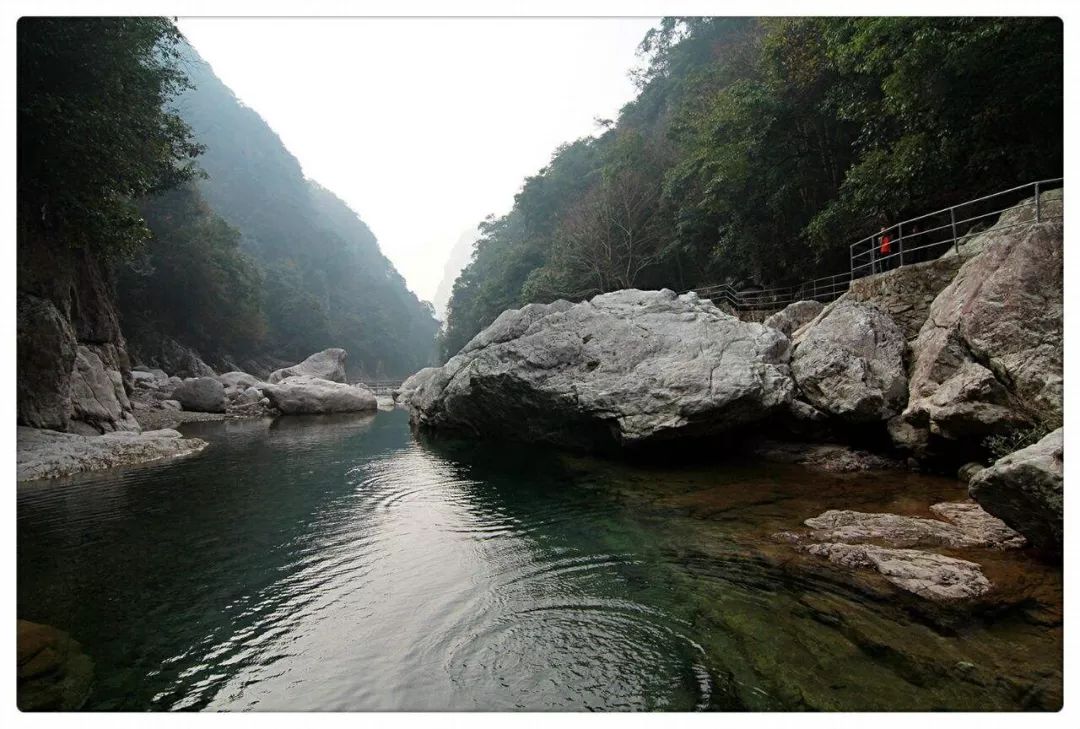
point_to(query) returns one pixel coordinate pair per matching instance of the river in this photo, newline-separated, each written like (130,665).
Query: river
(340,563)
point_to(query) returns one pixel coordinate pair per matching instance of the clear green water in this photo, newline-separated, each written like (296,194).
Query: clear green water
(342,564)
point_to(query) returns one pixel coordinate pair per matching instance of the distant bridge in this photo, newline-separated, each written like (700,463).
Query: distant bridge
(379,387)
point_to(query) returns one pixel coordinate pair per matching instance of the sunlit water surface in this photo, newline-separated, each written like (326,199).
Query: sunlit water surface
(338,563)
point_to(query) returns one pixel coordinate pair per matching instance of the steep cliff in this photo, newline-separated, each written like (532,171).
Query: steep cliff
(73,371)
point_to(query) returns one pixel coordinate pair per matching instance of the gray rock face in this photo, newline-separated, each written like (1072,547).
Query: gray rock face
(171,356)
(789,319)
(413,382)
(237,380)
(906,293)
(98,397)
(328,364)
(989,356)
(249,395)
(850,363)
(65,301)
(236,386)
(148,377)
(928,575)
(50,454)
(45,351)
(1025,489)
(201,394)
(625,368)
(302,395)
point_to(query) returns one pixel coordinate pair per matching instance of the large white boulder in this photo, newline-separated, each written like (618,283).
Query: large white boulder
(625,368)
(1026,490)
(302,395)
(328,364)
(201,394)
(850,363)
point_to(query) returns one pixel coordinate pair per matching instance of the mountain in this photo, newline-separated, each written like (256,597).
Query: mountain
(325,281)
(455,262)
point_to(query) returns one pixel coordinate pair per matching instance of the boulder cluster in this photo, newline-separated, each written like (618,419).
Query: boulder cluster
(158,401)
(316,385)
(935,357)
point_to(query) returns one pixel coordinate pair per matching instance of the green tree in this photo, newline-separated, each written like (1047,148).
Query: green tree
(759,150)
(94,133)
(191,281)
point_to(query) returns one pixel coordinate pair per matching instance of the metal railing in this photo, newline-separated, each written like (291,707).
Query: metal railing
(912,241)
(826,288)
(929,236)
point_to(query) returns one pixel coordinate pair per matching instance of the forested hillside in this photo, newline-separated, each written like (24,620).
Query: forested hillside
(757,150)
(254,259)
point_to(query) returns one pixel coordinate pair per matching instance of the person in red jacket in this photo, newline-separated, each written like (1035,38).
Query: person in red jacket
(884,249)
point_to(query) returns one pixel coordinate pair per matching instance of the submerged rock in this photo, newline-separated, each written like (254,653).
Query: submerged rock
(850,363)
(625,368)
(928,575)
(53,672)
(201,394)
(967,526)
(328,364)
(302,395)
(1026,490)
(51,454)
(884,542)
(830,457)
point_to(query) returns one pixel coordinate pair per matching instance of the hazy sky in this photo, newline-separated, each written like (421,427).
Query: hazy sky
(424,126)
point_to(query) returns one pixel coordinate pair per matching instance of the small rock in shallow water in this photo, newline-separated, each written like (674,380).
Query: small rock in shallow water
(893,530)
(829,457)
(929,575)
(53,672)
(979,524)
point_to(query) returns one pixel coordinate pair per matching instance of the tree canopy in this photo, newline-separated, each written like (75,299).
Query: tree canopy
(757,150)
(94,130)
(240,255)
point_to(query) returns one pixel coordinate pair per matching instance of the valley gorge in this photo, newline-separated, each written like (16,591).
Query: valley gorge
(634,457)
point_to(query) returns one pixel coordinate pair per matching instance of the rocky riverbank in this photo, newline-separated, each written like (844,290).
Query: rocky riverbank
(160,402)
(923,364)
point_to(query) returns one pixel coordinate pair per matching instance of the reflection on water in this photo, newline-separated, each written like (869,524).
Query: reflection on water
(338,563)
